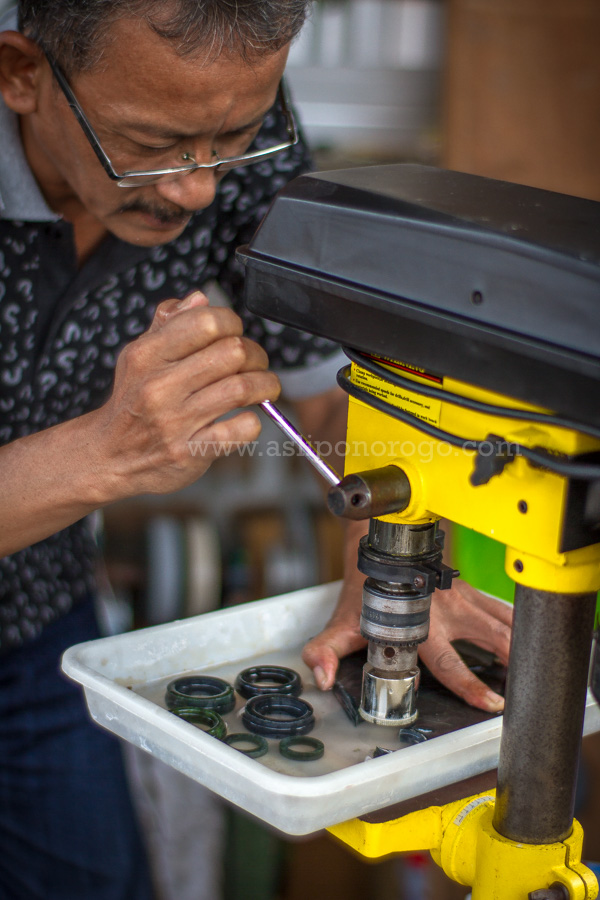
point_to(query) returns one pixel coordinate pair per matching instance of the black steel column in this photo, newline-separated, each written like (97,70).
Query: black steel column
(543,719)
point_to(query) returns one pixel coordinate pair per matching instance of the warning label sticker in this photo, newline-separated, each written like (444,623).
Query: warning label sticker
(416,371)
(426,408)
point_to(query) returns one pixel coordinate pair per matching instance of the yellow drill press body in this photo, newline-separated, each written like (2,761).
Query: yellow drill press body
(523,507)
(491,292)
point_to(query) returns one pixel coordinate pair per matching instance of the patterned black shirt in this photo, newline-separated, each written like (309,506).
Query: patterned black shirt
(62,328)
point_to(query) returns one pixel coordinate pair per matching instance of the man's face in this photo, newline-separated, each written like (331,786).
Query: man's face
(148,107)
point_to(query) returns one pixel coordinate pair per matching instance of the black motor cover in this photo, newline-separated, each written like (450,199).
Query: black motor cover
(488,282)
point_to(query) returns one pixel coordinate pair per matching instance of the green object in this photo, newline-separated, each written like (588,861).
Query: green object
(200,692)
(259,747)
(210,721)
(480,561)
(287,748)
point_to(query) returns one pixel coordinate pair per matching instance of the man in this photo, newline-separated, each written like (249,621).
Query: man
(119,200)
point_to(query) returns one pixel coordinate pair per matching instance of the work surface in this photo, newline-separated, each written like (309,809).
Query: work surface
(346,744)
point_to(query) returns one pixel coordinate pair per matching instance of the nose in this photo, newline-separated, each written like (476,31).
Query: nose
(191,192)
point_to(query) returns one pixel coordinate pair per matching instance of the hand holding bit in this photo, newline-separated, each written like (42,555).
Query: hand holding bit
(159,431)
(161,428)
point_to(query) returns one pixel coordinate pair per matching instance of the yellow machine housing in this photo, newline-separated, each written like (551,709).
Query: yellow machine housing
(487,291)
(523,507)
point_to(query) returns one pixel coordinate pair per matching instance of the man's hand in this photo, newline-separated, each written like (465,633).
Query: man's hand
(341,635)
(159,430)
(157,433)
(461,612)
(465,613)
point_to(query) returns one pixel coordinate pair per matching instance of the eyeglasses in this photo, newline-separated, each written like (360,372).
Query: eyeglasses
(152,176)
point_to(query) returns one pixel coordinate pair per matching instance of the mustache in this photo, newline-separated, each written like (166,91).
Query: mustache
(164,216)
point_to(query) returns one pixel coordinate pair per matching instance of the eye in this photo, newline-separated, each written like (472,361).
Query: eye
(237,142)
(148,149)
(243,133)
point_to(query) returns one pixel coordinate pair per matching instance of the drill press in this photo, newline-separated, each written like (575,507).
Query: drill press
(470,311)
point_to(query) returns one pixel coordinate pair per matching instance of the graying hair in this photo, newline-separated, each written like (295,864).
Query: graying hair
(75,32)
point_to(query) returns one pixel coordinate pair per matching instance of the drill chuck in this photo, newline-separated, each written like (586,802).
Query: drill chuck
(395,619)
(394,613)
(403,565)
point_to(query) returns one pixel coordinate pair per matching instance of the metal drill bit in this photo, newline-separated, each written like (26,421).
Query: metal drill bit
(300,441)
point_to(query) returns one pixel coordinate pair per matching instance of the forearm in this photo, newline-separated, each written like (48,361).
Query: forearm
(49,480)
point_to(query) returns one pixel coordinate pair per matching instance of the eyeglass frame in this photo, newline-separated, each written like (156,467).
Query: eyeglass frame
(233,161)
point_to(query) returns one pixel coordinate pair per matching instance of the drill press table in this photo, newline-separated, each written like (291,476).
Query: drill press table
(124,679)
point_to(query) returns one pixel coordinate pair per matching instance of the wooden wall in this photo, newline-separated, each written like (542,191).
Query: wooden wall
(522,92)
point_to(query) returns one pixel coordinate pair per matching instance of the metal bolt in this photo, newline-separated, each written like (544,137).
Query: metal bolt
(419,581)
(518,565)
(522,506)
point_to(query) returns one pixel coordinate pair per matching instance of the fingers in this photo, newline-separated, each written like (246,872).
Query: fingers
(342,634)
(225,357)
(172,307)
(324,652)
(340,637)
(480,628)
(323,660)
(223,438)
(205,383)
(176,333)
(463,612)
(195,343)
(220,398)
(445,664)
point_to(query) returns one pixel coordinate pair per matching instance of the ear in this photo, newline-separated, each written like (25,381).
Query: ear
(21,63)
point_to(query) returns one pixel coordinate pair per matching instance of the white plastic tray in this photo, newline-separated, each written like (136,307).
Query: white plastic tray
(124,678)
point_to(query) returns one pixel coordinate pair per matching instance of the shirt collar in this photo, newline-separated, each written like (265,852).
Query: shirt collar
(20,196)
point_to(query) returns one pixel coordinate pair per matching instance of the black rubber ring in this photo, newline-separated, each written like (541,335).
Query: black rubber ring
(216,727)
(260,680)
(262,715)
(200,692)
(260,745)
(286,748)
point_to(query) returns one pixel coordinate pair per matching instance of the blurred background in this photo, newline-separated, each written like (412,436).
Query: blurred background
(504,88)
